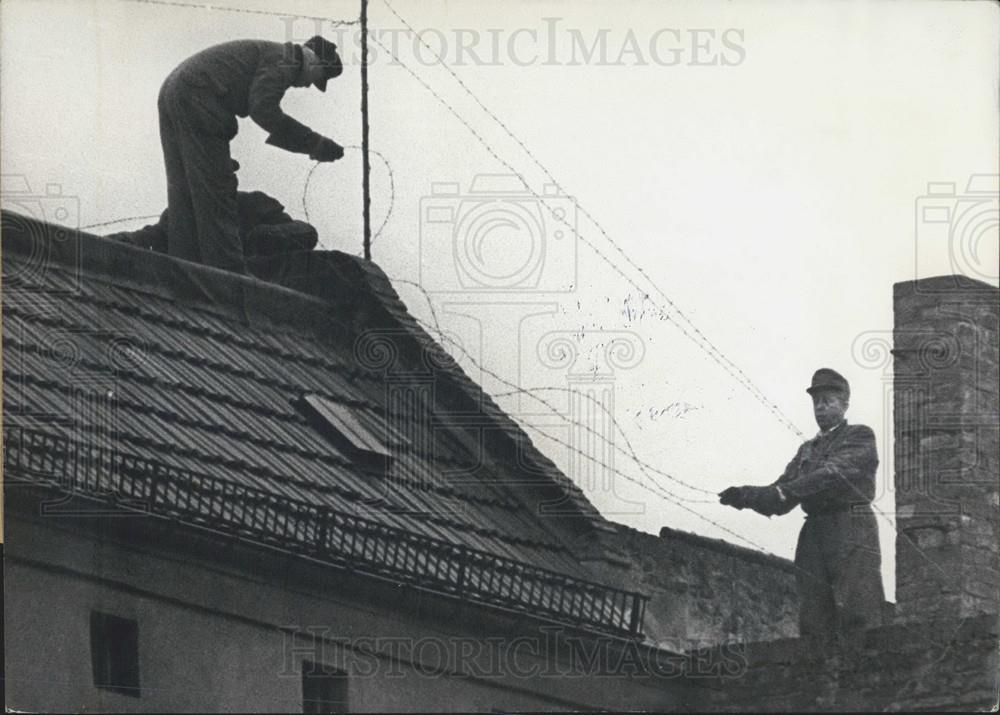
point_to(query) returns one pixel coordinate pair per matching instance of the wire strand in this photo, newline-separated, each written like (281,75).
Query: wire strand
(715,355)
(244,11)
(392,190)
(530,392)
(724,361)
(116,221)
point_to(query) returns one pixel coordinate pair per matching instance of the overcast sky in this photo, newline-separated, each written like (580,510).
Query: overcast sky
(754,168)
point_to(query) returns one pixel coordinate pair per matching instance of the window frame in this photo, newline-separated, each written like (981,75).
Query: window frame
(335,683)
(114,653)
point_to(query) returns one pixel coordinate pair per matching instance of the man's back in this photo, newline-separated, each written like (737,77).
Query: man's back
(198,105)
(231,69)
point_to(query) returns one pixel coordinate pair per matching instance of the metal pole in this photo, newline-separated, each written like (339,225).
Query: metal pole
(365,166)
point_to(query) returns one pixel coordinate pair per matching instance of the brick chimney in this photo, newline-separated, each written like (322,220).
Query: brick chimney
(946,447)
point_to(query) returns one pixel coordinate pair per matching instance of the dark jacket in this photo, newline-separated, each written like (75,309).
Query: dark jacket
(249,78)
(832,471)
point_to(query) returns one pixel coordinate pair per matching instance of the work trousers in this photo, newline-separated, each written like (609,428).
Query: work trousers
(201,181)
(838,570)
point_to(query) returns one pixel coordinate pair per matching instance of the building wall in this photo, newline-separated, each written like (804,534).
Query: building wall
(702,591)
(226,627)
(946,449)
(948,665)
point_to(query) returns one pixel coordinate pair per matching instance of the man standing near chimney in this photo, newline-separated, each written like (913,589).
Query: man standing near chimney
(198,105)
(837,559)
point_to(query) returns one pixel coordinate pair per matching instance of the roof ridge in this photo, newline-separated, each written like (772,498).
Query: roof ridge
(228,295)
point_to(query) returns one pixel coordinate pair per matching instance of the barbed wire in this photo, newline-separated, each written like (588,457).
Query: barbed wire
(707,345)
(530,392)
(642,465)
(245,11)
(116,221)
(713,354)
(654,487)
(631,453)
(305,191)
(392,189)
(659,490)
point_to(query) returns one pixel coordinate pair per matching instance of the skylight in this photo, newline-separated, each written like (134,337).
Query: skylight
(342,427)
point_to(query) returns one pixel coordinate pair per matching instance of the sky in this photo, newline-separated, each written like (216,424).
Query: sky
(656,219)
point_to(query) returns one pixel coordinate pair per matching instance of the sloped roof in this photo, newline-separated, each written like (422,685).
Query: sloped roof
(194,371)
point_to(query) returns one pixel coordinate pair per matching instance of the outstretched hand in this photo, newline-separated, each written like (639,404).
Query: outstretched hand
(763,500)
(327,150)
(734,497)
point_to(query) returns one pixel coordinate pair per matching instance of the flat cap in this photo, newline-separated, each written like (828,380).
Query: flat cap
(326,51)
(827,379)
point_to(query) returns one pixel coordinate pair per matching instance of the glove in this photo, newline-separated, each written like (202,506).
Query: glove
(326,150)
(734,497)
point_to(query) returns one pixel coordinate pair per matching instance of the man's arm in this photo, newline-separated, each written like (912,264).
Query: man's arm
(274,76)
(845,475)
(769,500)
(775,499)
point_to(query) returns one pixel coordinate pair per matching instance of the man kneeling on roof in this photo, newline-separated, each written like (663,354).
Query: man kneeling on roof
(198,106)
(264,229)
(837,559)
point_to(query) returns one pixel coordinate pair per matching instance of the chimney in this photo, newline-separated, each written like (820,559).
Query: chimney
(946,447)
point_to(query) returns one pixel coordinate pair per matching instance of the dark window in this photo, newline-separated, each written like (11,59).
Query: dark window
(324,689)
(114,652)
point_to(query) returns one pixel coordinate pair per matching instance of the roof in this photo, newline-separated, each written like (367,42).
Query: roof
(188,375)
